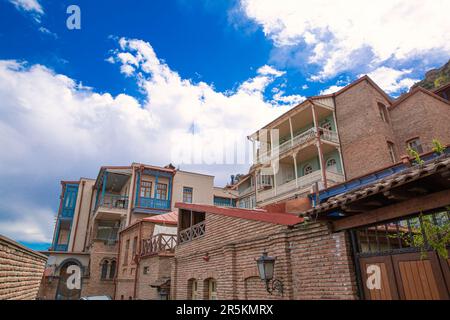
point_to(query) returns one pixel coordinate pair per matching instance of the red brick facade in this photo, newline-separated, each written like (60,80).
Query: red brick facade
(311,262)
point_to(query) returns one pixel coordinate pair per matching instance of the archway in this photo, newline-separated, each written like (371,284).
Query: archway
(65,291)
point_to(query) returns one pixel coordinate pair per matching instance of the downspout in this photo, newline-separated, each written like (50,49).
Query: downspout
(78,215)
(131,204)
(340,143)
(89,219)
(117,266)
(136,275)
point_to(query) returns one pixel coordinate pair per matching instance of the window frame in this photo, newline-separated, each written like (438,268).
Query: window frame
(160,191)
(186,194)
(382,109)
(391,149)
(144,188)
(408,143)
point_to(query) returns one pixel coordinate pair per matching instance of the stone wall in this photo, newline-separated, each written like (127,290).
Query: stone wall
(21,271)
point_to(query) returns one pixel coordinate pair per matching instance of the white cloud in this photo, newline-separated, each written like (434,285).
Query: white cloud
(341,35)
(54,128)
(31,6)
(392,80)
(332,89)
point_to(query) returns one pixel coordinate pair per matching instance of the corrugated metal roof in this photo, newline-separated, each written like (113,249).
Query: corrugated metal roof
(166,218)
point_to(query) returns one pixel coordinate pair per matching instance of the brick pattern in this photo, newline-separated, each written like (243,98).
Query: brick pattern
(21,271)
(159,266)
(312,262)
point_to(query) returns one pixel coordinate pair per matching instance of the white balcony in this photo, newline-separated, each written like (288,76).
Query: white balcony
(301,184)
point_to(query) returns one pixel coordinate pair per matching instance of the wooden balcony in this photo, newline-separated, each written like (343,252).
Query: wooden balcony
(194,232)
(161,243)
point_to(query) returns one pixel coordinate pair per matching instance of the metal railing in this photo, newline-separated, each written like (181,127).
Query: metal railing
(329,135)
(114,201)
(154,203)
(298,140)
(159,243)
(194,232)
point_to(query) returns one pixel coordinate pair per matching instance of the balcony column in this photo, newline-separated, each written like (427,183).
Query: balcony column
(274,180)
(105,177)
(169,191)
(292,132)
(319,147)
(156,185)
(138,187)
(295,169)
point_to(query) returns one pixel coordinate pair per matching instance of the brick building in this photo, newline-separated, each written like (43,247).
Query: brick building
(92,213)
(21,271)
(338,161)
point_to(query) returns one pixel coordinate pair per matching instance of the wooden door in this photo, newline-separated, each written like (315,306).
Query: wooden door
(420,278)
(383,288)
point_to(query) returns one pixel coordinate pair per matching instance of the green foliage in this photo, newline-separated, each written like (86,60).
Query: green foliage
(438,147)
(434,236)
(413,153)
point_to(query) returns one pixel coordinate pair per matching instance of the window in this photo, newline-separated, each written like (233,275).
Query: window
(192,285)
(187,195)
(307,169)
(391,151)
(383,112)
(134,247)
(332,165)
(104,270)
(112,269)
(416,145)
(212,289)
(161,191)
(107,230)
(146,270)
(146,189)
(125,257)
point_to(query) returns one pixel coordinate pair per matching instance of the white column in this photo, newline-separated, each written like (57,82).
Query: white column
(292,132)
(295,169)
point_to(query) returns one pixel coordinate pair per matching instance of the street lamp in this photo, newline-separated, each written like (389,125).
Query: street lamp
(266,267)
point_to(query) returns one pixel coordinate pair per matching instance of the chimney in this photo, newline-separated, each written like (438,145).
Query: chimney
(232,179)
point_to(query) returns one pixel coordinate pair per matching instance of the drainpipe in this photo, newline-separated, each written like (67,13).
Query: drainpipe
(117,266)
(78,215)
(89,218)
(138,251)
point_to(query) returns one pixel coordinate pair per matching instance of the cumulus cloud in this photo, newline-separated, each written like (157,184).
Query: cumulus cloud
(31,6)
(332,89)
(344,35)
(392,80)
(53,128)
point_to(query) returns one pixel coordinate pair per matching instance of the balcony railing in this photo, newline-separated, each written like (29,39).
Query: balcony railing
(265,181)
(113,201)
(194,232)
(154,203)
(61,247)
(159,243)
(329,135)
(298,140)
(301,183)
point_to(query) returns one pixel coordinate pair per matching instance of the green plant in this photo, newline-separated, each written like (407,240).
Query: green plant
(435,236)
(438,147)
(413,153)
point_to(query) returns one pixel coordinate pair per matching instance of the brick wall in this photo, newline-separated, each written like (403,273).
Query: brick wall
(362,132)
(159,266)
(312,262)
(421,116)
(21,271)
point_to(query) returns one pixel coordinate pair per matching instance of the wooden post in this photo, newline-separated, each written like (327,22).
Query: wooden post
(319,147)
(292,132)
(295,168)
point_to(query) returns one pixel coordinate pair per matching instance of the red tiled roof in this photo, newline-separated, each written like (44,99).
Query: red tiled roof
(280,218)
(166,218)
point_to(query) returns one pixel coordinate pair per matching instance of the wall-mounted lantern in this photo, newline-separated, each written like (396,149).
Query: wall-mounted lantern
(266,266)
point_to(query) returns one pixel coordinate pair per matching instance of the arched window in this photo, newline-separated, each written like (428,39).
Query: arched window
(112,269)
(192,289)
(383,112)
(332,165)
(307,169)
(104,269)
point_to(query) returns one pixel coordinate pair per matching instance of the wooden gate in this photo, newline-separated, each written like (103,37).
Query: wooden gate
(390,267)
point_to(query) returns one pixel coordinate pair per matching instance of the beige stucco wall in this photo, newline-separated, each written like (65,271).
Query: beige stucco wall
(202,185)
(81,216)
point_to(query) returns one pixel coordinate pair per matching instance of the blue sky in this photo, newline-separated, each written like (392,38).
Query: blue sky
(139,73)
